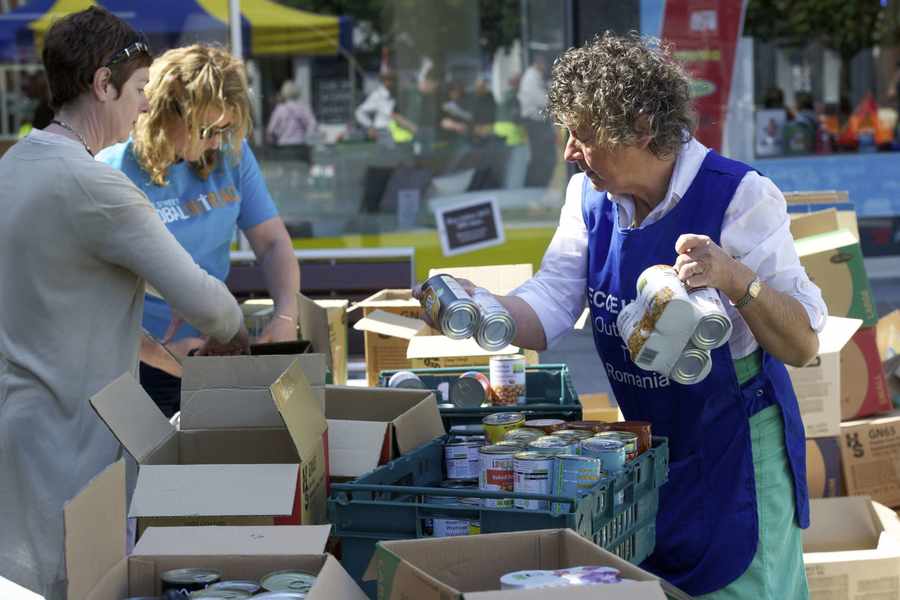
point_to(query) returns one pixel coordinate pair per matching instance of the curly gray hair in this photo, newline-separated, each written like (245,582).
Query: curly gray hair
(623,88)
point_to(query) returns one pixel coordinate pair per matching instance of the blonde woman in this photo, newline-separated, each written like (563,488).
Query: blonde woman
(189,154)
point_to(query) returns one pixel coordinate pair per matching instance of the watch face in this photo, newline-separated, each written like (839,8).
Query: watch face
(755,288)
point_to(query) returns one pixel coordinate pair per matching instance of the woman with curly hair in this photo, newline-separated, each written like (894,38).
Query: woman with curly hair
(731,514)
(189,154)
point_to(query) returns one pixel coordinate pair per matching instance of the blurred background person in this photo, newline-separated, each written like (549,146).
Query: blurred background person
(292,122)
(541,134)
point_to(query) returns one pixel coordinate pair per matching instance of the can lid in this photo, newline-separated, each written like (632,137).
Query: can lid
(218,594)
(467,392)
(474,429)
(460,320)
(503,418)
(501,448)
(496,332)
(692,366)
(288,581)
(243,585)
(191,576)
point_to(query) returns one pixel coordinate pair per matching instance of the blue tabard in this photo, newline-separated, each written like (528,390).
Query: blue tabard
(707,527)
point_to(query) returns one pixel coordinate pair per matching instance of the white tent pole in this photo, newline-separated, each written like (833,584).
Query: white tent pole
(234,21)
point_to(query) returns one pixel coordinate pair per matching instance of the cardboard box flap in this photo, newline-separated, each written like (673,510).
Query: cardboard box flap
(132,416)
(427,346)
(334,583)
(636,590)
(839,238)
(418,426)
(204,373)
(214,490)
(301,410)
(354,447)
(817,197)
(95,530)
(499,279)
(394,325)
(841,524)
(314,327)
(281,540)
(388,299)
(837,333)
(809,224)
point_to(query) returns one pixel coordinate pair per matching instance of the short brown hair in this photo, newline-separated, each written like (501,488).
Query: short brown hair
(79,44)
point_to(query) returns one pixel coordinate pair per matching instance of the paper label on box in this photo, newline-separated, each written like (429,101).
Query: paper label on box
(871,453)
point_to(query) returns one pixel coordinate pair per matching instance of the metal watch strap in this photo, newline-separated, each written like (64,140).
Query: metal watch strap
(748,297)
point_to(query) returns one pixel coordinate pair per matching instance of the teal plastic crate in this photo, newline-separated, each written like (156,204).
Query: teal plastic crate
(619,513)
(549,394)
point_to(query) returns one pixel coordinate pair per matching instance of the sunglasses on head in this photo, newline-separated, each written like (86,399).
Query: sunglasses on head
(129,52)
(209,131)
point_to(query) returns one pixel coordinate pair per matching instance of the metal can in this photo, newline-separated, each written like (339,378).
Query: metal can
(626,437)
(610,452)
(575,476)
(211,594)
(281,596)
(497,474)
(714,327)
(548,426)
(450,308)
(524,435)
(670,306)
(288,581)
(641,428)
(573,435)
(461,457)
(406,380)
(496,328)
(189,580)
(533,475)
(497,425)
(467,430)
(520,444)
(550,446)
(508,379)
(447,526)
(634,327)
(523,580)
(592,426)
(470,390)
(241,585)
(693,366)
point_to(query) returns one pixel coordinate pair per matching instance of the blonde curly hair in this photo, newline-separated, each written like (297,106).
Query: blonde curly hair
(624,89)
(185,83)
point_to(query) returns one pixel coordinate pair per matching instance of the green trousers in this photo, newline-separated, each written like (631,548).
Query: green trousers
(776,572)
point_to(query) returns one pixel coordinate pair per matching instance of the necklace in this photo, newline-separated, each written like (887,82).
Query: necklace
(65,125)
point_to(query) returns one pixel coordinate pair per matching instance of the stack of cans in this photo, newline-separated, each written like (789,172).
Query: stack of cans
(589,575)
(187,584)
(459,315)
(672,330)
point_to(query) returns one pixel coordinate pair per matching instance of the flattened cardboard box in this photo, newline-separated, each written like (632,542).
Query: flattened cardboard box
(824,470)
(269,434)
(371,426)
(864,389)
(818,384)
(470,567)
(833,261)
(870,451)
(99,570)
(420,345)
(851,550)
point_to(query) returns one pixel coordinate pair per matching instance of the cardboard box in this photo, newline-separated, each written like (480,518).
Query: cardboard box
(833,260)
(396,337)
(323,323)
(870,451)
(470,567)
(863,386)
(887,335)
(804,203)
(824,471)
(251,448)
(371,426)
(818,384)
(851,550)
(99,570)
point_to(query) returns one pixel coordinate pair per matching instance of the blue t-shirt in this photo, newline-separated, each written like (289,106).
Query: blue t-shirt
(202,215)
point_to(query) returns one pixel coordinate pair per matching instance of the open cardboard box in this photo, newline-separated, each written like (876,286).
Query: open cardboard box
(470,567)
(396,337)
(229,448)
(371,426)
(851,549)
(864,390)
(804,203)
(818,384)
(833,260)
(99,570)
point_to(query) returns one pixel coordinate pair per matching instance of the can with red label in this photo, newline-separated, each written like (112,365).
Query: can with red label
(497,473)
(470,390)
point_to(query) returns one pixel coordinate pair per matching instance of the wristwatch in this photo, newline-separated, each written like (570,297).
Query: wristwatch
(752,292)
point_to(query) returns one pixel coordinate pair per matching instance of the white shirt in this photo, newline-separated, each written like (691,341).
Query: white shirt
(532,93)
(376,110)
(755,231)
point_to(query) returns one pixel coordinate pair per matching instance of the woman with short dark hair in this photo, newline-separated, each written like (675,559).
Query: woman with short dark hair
(81,242)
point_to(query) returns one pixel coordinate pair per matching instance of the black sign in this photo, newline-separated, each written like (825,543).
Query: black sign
(334,100)
(469,227)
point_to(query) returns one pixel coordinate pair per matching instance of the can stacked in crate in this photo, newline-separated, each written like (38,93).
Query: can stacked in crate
(533,474)
(448,526)
(461,457)
(497,425)
(497,473)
